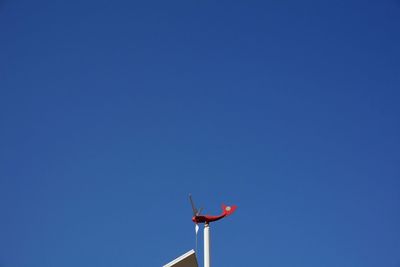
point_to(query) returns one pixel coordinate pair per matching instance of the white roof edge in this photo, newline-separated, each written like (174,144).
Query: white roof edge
(187,254)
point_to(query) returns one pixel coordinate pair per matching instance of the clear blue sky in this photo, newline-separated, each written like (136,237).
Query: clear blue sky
(111,112)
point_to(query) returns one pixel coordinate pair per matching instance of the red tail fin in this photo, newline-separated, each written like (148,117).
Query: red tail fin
(228,210)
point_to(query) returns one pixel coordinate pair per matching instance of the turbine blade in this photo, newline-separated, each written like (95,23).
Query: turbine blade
(199,211)
(193,206)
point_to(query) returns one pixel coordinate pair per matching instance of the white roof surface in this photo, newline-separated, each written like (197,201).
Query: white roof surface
(186,260)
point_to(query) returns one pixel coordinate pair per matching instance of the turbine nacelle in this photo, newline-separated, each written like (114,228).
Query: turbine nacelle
(198,218)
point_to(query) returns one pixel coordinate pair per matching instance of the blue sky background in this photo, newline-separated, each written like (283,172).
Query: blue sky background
(111,112)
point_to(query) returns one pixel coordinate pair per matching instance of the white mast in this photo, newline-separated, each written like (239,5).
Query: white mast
(206,245)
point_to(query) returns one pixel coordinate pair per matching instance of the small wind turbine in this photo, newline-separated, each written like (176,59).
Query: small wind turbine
(206,219)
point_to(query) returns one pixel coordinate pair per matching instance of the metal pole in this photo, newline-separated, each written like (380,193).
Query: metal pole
(206,245)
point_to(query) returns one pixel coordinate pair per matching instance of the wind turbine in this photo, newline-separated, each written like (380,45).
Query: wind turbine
(207,219)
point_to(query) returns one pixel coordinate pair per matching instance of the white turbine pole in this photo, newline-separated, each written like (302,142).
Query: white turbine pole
(206,245)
